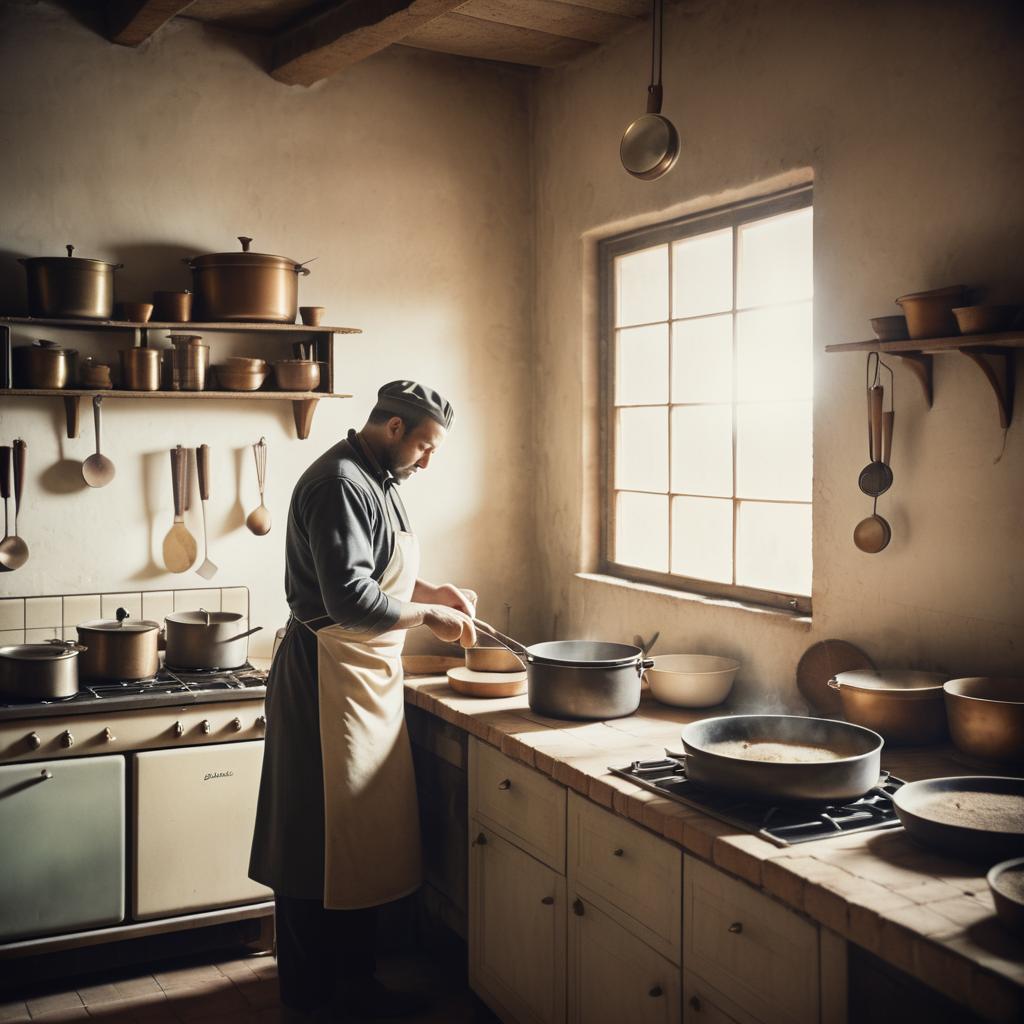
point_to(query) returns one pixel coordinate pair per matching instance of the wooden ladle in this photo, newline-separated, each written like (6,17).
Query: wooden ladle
(97,470)
(259,520)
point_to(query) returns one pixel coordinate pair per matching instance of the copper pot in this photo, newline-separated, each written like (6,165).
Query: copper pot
(119,649)
(986,716)
(44,365)
(68,286)
(905,707)
(252,286)
(140,369)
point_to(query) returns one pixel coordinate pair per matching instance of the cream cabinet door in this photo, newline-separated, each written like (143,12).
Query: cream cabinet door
(613,976)
(516,931)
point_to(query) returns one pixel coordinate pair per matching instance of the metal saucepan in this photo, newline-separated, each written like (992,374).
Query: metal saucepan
(33,672)
(986,716)
(904,705)
(579,679)
(246,285)
(119,648)
(206,640)
(831,761)
(977,817)
(67,286)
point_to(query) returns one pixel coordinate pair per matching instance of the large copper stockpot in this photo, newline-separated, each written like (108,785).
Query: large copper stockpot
(904,706)
(68,286)
(119,649)
(986,716)
(250,286)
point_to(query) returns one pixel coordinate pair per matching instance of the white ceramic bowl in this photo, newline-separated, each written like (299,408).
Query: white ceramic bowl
(692,680)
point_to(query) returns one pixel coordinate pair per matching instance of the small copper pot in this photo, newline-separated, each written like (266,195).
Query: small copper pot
(986,716)
(140,369)
(119,649)
(905,707)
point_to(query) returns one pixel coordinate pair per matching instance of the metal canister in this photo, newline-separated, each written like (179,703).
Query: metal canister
(44,365)
(140,369)
(189,361)
(172,307)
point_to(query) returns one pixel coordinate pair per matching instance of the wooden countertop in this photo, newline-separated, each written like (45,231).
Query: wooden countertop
(928,915)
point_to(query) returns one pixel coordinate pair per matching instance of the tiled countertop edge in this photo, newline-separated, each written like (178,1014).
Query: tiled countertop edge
(927,915)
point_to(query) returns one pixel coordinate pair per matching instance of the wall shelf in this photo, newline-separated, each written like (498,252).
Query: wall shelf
(304,403)
(993,354)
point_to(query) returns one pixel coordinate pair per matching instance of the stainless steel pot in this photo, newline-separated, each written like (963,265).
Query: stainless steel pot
(44,365)
(119,648)
(579,679)
(847,777)
(245,285)
(68,286)
(33,672)
(905,706)
(207,640)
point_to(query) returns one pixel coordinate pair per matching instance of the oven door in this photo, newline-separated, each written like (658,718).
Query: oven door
(62,846)
(193,822)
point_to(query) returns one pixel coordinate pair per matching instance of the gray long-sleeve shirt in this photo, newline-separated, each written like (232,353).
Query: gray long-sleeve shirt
(341,531)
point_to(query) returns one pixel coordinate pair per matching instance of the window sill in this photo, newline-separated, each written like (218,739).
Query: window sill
(798,619)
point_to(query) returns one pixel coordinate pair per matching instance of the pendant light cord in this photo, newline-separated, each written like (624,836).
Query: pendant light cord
(657,24)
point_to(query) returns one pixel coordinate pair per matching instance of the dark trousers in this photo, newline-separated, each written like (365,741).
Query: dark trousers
(320,951)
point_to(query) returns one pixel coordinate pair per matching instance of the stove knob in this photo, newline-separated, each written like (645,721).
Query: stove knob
(236,724)
(205,726)
(261,721)
(66,739)
(179,729)
(33,740)
(109,737)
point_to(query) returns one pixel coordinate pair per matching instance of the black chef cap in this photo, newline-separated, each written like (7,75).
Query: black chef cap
(405,397)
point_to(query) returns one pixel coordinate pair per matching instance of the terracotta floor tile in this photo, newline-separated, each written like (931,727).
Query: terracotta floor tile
(189,977)
(55,1001)
(204,1005)
(17,1011)
(59,1016)
(95,995)
(144,985)
(260,993)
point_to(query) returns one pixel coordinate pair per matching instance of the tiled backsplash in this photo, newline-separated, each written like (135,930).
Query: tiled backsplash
(37,619)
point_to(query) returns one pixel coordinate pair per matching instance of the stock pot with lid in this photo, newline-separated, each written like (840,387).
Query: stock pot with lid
(69,286)
(35,672)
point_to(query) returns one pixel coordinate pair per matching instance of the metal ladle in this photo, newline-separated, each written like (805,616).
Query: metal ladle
(97,470)
(650,145)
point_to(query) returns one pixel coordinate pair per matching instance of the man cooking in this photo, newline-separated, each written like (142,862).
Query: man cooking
(337,826)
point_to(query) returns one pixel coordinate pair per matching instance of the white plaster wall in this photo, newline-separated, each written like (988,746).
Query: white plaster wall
(907,116)
(407,176)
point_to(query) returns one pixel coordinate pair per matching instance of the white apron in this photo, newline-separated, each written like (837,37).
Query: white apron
(371,817)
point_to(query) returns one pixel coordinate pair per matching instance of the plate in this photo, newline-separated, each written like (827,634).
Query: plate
(486,684)
(820,662)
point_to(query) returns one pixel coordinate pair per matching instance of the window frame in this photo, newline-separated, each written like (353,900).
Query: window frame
(667,232)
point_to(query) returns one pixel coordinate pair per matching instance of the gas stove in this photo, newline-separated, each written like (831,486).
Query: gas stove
(168,688)
(783,824)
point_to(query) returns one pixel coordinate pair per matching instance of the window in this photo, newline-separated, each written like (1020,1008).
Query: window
(707,376)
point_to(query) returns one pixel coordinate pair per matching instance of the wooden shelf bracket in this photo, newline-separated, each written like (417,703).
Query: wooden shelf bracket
(303,409)
(71,414)
(997,366)
(920,364)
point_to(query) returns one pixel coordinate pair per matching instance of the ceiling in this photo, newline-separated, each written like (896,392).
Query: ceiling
(313,39)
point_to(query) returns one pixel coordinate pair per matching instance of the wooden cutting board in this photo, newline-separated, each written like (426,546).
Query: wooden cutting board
(486,684)
(820,662)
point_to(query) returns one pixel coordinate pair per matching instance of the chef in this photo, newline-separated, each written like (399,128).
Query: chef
(337,826)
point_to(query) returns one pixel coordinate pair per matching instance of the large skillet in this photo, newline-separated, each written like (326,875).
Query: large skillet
(846,778)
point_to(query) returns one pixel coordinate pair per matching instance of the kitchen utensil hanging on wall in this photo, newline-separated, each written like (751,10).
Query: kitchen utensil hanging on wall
(259,520)
(876,477)
(179,547)
(650,145)
(208,569)
(97,470)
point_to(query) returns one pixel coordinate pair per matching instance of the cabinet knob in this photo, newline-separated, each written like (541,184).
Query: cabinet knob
(656,992)
(205,726)
(46,774)
(109,737)
(736,927)
(33,741)
(66,739)
(481,840)
(236,724)
(179,729)
(547,900)
(505,784)
(619,852)
(577,907)
(695,1003)
(261,721)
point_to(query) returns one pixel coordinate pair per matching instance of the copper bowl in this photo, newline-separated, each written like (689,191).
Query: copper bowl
(235,378)
(904,706)
(246,363)
(890,328)
(134,312)
(930,314)
(985,319)
(986,716)
(297,374)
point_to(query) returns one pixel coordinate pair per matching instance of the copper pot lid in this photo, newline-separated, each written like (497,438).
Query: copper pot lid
(113,626)
(82,263)
(903,681)
(245,258)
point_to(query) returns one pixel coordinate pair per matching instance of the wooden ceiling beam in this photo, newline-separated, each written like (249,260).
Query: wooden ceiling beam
(348,33)
(131,22)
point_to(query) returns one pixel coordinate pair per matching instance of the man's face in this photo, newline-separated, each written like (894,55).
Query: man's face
(411,450)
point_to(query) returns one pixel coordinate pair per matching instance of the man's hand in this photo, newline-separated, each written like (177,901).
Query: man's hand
(450,624)
(446,594)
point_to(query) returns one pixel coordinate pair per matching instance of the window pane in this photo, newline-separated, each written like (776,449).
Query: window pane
(774,354)
(773,547)
(773,451)
(641,531)
(642,286)
(702,360)
(775,259)
(641,457)
(641,365)
(702,274)
(702,449)
(702,538)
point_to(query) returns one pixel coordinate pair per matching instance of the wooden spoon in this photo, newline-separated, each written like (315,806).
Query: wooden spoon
(98,470)
(258,520)
(180,548)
